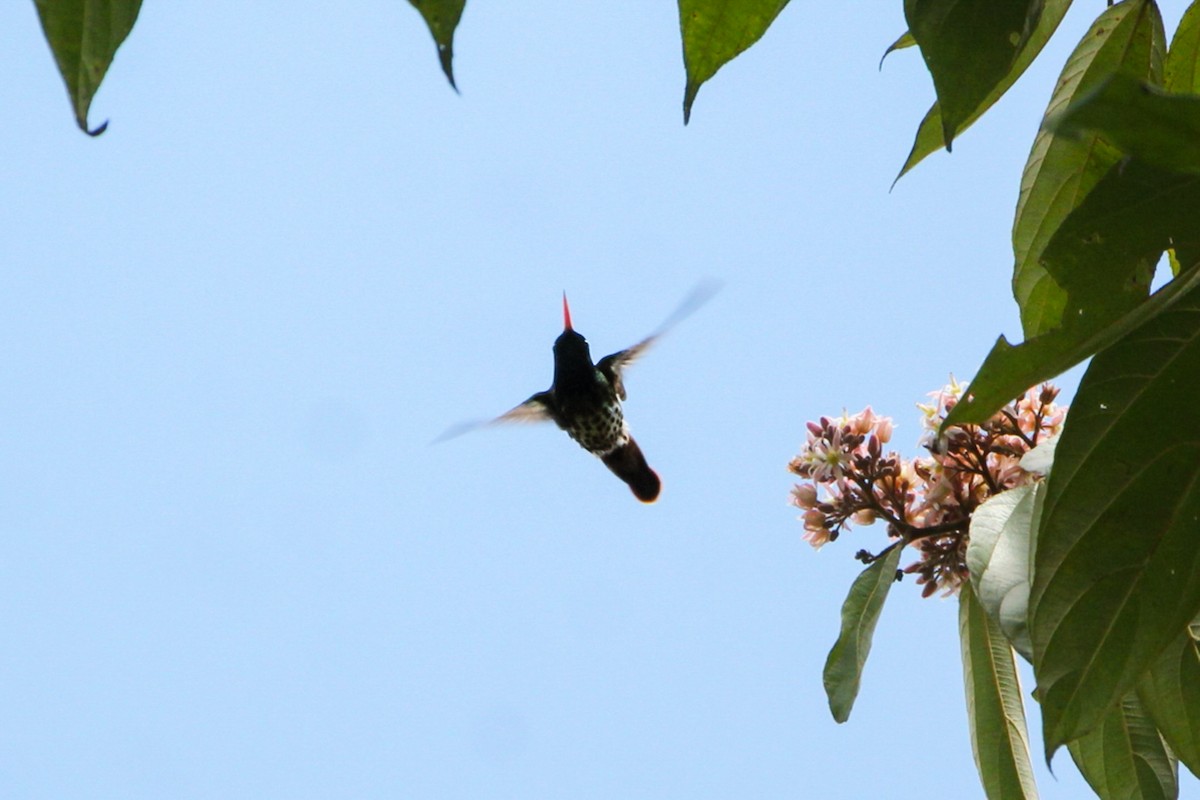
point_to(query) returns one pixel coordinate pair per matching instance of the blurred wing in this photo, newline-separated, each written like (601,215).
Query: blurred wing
(612,365)
(535,409)
(698,296)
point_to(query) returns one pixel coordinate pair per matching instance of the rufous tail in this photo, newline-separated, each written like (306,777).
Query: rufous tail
(628,464)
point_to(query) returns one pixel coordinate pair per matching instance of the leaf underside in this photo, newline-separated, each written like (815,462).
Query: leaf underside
(442,18)
(84,36)
(860,613)
(995,711)
(1124,757)
(998,559)
(714,32)
(1170,692)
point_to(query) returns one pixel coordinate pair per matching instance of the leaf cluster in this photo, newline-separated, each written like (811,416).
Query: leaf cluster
(1093,575)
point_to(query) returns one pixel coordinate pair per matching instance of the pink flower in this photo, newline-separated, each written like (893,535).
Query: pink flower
(927,502)
(815,532)
(804,495)
(1007,472)
(864,516)
(826,458)
(862,422)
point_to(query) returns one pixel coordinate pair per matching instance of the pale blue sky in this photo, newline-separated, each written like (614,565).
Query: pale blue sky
(232,564)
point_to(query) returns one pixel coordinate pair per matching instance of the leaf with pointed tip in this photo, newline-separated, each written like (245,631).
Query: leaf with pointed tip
(1182,73)
(930,135)
(860,613)
(995,711)
(442,16)
(969,47)
(1127,38)
(1124,757)
(84,35)
(715,32)
(1170,691)
(998,553)
(906,40)
(1117,566)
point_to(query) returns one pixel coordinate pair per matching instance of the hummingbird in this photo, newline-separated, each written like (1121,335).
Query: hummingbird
(585,398)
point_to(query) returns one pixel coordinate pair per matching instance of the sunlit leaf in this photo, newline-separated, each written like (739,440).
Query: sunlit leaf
(1009,369)
(442,16)
(715,32)
(1141,120)
(1127,38)
(1124,758)
(860,613)
(84,35)
(1170,691)
(1173,262)
(1182,73)
(906,40)
(995,711)
(998,556)
(930,137)
(1117,563)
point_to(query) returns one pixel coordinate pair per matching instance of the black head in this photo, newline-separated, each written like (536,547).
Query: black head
(570,344)
(571,351)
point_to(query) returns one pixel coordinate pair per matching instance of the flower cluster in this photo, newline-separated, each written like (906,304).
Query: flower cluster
(926,502)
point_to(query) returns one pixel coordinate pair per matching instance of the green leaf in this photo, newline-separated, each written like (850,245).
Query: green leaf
(1170,691)
(442,16)
(995,712)
(1117,565)
(1127,38)
(1183,59)
(906,40)
(1124,758)
(1141,120)
(969,47)
(1009,370)
(1173,262)
(715,32)
(84,35)
(860,612)
(1104,254)
(998,554)
(930,136)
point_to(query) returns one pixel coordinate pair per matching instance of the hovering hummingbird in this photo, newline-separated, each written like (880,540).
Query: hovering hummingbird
(585,399)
